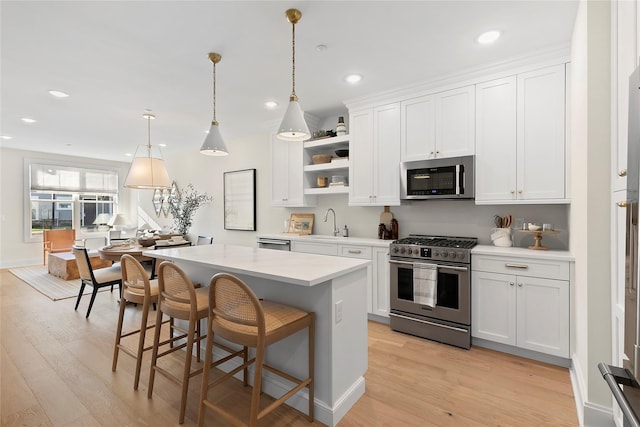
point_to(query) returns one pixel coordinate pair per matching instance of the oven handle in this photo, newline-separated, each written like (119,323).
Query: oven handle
(429,323)
(440,266)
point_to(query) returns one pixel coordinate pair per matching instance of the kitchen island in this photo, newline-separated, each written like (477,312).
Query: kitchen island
(335,288)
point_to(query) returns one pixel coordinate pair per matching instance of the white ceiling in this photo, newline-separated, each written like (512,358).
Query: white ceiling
(118,58)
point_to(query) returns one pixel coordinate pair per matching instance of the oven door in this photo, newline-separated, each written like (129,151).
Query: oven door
(453,289)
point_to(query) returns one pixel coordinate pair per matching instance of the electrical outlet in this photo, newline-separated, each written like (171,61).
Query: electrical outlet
(339,311)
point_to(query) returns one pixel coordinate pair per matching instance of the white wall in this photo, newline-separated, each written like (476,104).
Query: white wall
(590,211)
(14,251)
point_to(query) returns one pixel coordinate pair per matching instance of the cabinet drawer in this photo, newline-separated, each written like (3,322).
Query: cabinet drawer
(355,251)
(315,248)
(549,269)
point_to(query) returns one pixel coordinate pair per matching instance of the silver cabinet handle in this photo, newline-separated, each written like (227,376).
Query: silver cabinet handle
(355,251)
(520,284)
(516,266)
(623,172)
(511,283)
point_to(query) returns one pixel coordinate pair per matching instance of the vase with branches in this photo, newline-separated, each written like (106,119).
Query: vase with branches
(186,206)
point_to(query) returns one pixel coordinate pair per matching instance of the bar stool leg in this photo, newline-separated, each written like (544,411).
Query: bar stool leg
(141,338)
(187,368)
(154,352)
(208,357)
(116,349)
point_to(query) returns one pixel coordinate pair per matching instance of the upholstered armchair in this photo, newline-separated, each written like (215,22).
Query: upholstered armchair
(60,240)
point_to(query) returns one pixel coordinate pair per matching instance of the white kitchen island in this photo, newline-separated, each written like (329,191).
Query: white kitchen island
(335,288)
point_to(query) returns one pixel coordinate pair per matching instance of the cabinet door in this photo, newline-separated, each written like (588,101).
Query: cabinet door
(379,294)
(286,173)
(455,122)
(314,247)
(361,158)
(493,307)
(541,134)
(386,166)
(418,128)
(496,140)
(543,315)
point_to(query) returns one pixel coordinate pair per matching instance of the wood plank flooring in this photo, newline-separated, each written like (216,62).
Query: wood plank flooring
(56,371)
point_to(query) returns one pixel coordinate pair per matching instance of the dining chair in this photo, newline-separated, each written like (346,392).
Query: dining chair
(178,298)
(204,240)
(97,279)
(237,315)
(137,289)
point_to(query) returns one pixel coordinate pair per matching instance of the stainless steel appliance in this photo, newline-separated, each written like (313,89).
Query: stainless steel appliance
(628,396)
(449,320)
(277,244)
(450,178)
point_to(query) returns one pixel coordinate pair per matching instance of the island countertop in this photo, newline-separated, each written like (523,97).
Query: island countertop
(290,267)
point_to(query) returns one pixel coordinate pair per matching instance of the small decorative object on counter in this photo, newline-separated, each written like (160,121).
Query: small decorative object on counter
(341,128)
(345,231)
(394,229)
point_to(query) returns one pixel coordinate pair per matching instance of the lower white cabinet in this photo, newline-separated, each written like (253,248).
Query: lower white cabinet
(378,299)
(521,302)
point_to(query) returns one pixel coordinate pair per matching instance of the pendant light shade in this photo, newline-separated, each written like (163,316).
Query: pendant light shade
(147,170)
(214,144)
(293,126)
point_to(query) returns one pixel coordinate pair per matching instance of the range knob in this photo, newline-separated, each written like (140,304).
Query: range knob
(409,251)
(444,254)
(461,255)
(452,255)
(402,250)
(395,250)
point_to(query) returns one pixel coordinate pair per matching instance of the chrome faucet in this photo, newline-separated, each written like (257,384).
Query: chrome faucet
(336,232)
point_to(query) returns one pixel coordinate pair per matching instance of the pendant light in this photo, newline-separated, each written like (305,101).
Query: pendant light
(293,126)
(214,144)
(147,170)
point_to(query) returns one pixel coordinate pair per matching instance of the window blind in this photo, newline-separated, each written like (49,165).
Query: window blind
(46,177)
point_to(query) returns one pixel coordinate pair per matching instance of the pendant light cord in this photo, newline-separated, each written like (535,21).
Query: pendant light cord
(214,94)
(293,59)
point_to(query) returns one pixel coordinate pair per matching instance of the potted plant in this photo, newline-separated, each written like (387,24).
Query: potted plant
(183,209)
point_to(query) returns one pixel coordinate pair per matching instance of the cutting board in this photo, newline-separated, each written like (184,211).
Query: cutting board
(386,217)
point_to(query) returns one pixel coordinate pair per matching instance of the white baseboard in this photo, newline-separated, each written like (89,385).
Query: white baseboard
(589,414)
(20,263)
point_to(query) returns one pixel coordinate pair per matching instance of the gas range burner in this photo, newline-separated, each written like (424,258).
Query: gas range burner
(443,248)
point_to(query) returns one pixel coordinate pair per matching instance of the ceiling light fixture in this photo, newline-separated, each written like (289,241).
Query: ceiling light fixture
(270,104)
(214,144)
(353,78)
(58,94)
(293,126)
(6,137)
(147,171)
(488,37)
(28,120)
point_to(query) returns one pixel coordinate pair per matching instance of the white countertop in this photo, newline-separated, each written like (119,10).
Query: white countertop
(321,238)
(289,267)
(522,253)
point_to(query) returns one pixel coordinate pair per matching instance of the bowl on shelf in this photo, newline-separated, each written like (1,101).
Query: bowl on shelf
(321,158)
(343,152)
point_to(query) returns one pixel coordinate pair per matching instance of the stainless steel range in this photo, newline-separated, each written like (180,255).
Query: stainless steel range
(431,287)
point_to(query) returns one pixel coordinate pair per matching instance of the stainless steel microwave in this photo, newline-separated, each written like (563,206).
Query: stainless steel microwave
(450,178)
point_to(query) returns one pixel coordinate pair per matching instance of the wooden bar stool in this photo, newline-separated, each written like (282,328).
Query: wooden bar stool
(178,298)
(237,315)
(137,289)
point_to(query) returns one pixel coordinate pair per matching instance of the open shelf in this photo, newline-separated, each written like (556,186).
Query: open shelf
(327,190)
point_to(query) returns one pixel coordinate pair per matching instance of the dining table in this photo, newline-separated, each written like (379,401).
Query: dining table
(115,252)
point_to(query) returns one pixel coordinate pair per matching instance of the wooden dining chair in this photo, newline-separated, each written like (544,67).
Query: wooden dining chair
(238,316)
(178,298)
(97,279)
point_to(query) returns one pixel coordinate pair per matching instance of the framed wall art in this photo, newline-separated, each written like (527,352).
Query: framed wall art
(301,223)
(240,200)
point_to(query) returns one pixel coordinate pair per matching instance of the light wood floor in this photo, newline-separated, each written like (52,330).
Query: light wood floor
(56,371)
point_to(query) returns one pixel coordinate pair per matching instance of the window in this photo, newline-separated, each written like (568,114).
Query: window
(64,196)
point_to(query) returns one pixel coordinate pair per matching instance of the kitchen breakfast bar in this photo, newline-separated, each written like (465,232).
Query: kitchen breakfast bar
(334,288)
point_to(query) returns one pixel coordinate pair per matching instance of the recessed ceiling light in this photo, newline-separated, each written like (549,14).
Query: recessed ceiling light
(488,37)
(128,154)
(270,104)
(28,120)
(353,78)
(162,145)
(6,137)
(58,93)
(321,47)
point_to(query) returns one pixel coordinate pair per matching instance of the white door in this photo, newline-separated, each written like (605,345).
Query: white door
(418,128)
(455,122)
(496,140)
(543,315)
(361,150)
(386,167)
(541,134)
(493,307)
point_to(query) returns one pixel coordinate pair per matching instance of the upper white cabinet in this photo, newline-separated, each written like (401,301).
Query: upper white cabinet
(286,174)
(520,138)
(374,172)
(438,125)
(339,166)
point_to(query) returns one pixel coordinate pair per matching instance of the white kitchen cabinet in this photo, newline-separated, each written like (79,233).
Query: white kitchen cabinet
(374,172)
(380,297)
(318,248)
(286,174)
(520,138)
(438,125)
(522,302)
